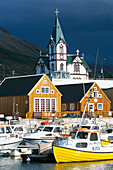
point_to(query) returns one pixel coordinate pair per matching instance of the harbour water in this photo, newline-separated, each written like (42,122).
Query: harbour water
(8,163)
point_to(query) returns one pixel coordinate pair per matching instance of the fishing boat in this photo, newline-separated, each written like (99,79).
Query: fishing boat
(107,136)
(7,139)
(84,146)
(45,132)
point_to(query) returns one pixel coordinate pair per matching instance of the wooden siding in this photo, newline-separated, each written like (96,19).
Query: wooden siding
(104,99)
(33,94)
(8,105)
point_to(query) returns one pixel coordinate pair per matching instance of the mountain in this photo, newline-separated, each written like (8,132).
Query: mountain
(18,55)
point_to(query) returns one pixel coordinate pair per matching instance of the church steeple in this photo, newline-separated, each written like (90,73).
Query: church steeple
(57,33)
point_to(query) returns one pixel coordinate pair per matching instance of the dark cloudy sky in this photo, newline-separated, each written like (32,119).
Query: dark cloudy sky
(86,24)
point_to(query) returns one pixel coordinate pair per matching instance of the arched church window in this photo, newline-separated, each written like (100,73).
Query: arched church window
(52,49)
(42,68)
(61,49)
(61,66)
(52,67)
(77,67)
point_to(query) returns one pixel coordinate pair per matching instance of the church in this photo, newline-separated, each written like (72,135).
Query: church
(58,64)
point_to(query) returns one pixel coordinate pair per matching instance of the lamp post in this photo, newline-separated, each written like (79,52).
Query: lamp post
(3,70)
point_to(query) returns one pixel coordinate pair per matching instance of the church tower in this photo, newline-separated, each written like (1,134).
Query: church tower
(57,48)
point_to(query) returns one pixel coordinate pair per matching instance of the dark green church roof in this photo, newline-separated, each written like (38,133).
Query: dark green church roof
(57,33)
(20,85)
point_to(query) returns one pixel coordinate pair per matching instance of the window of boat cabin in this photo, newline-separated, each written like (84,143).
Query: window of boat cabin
(2,130)
(108,131)
(82,135)
(93,137)
(8,130)
(48,129)
(58,129)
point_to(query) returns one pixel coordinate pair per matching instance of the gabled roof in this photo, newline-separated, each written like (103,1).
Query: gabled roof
(57,33)
(46,61)
(73,92)
(20,85)
(71,58)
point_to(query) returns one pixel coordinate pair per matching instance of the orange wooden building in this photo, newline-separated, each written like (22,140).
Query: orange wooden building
(32,96)
(75,96)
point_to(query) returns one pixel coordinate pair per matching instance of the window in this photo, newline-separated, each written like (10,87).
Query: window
(63,107)
(44,104)
(61,66)
(61,49)
(81,145)
(45,81)
(100,95)
(72,106)
(36,105)
(82,135)
(45,90)
(42,68)
(95,93)
(77,67)
(91,107)
(52,91)
(95,88)
(37,91)
(93,137)
(100,106)
(52,67)
(52,49)
(52,104)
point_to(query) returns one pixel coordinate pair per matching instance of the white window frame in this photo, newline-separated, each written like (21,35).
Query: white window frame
(52,91)
(72,106)
(44,81)
(45,103)
(98,106)
(64,107)
(95,88)
(45,87)
(92,108)
(100,95)
(37,91)
(95,92)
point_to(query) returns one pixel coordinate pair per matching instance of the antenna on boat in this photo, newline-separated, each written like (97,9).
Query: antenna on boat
(96,64)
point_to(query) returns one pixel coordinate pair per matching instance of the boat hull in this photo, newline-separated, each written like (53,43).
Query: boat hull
(72,155)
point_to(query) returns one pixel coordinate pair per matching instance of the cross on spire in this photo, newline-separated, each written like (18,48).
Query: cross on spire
(57,12)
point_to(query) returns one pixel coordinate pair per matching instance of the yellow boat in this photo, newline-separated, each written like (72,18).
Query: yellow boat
(85,147)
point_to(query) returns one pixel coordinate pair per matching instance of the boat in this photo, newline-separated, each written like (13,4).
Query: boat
(107,136)
(84,146)
(8,140)
(45,133)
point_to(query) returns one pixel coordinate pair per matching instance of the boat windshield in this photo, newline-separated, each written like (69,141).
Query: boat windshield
(2,130)
(82,135)
(48,129)
(8,130)
(18,129)
(39,129)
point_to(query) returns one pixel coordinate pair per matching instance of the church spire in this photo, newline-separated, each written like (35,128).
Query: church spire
(57,33)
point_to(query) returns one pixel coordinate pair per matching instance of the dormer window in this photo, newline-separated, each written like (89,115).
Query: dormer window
(77,67)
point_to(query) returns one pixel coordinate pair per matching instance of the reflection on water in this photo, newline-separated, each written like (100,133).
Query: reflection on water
(16,164)
(103,165)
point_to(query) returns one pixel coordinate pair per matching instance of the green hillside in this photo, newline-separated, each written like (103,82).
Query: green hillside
(18,55)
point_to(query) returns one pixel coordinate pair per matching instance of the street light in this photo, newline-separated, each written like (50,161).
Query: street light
(3,70)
